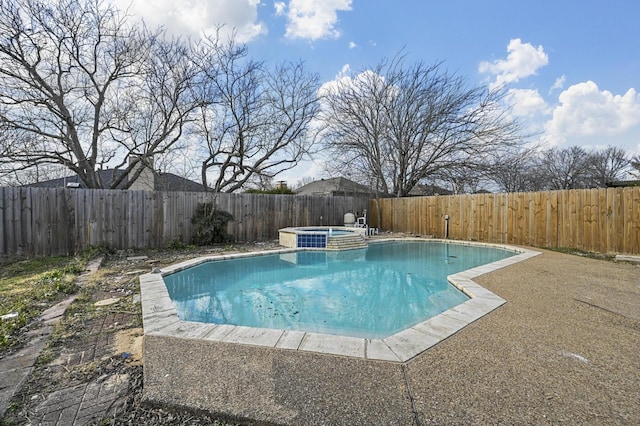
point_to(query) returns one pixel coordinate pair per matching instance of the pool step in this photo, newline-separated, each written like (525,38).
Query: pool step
(346,242)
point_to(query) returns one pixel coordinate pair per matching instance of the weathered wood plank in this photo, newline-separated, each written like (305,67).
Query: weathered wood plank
(3,224)
(635,222)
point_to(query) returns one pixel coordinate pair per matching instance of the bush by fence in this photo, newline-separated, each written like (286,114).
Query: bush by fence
(599,220)
(60,221)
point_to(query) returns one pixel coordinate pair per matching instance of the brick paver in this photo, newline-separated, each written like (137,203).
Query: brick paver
(81,403)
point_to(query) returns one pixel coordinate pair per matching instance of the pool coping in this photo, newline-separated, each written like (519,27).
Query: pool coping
(160,317)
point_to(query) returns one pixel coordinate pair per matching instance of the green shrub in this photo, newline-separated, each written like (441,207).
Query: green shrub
(210,225)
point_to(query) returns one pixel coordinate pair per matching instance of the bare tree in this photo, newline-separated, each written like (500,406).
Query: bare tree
(399,125)
(607,165)
(462,180)
(517,171)
(83,87)
(563,168)
(356,128)
(256,122)
(559,168)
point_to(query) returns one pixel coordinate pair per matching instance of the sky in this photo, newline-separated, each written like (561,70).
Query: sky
(572,67)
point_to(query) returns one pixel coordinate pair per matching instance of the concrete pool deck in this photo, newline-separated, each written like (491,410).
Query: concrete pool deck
(563,347)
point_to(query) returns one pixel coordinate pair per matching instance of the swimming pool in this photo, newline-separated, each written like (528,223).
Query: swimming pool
(250,372)
(160,316)
(370,293)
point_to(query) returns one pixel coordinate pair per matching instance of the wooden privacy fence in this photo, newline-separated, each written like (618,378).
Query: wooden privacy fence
(59,221)
(599,220)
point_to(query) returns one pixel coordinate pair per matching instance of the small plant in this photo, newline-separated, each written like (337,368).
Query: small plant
(176,244)
(210,225)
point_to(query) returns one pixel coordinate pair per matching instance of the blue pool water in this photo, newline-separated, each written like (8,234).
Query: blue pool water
(371,293)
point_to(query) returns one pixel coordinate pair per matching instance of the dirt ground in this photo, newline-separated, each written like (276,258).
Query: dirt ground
(564,349)
(100,338)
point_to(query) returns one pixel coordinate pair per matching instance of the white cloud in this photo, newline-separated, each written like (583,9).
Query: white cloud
(523,60)
(344,71)
(559,83)
(526,102)
(315,19)
(344,81)
(280,7)
(342,78)
(585,110)
(195,17)
(352,45)
(315,169)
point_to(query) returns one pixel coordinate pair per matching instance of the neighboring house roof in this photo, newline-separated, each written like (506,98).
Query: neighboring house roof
(623,183)
(428,190)
(334,187)
(161,182)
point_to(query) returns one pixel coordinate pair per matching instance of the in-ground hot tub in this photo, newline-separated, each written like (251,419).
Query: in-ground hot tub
(323,237)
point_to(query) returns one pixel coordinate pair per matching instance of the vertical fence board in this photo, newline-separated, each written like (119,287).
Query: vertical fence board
(602,217)
(562,219)
(635,223)
(585,216)
(25,220)
(3,220)
(501,217)
(77,220)
(529,218)
(40,235)
(611,221)
(573,224)
(539,215)
(628,224)
(592,217)
(553,219)
(578,222)
(13,224)
(59,229)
